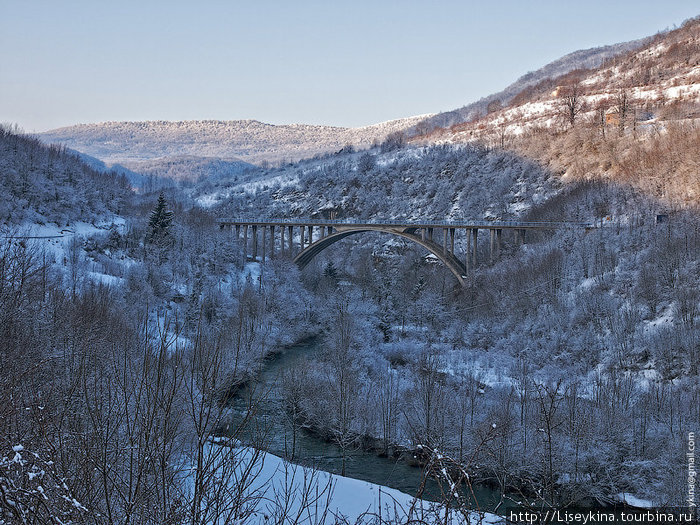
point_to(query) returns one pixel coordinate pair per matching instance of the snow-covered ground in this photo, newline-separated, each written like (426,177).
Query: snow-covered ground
(55,241)
(317,497)
(633,501)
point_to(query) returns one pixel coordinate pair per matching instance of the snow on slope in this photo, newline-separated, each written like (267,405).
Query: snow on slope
(581,59)
(346,500)
(131,143)
(410,183)
(246,140)
(662,74)
(187,167)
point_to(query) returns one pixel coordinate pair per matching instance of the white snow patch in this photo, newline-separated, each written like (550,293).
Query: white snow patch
(664,319)
(634,501)
(352,499)
(103,278)
(252,270)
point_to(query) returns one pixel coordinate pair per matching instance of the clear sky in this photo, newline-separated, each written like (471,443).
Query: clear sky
(326,62)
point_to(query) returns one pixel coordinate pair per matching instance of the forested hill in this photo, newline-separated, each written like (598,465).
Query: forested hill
(435,182)
(581,59)
(41,183)
(633,120)
(247,140)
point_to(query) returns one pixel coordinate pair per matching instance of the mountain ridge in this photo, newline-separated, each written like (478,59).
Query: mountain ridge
(581,58)
(247,140)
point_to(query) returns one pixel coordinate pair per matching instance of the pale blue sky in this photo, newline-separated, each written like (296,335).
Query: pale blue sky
(325,62)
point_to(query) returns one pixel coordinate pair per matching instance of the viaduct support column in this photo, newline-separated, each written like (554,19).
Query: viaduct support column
(452,241)
(422,233)
(264,239)
(282,239)
(245,241)
(290,230)
(255,242)
(499,234)
(311,235)
(272,242)
(444,241)
(467,255)
(301,237)
(238,231)
(430,234)
(475,234)
(492,239)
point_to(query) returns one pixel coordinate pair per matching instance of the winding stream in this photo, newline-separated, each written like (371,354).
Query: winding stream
(274,430)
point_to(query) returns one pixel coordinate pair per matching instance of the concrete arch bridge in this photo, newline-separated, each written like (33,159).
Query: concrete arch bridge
(304,239)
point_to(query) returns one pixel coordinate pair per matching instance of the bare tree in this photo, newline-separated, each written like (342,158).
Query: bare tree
(622,107)
(549,399)
(388,402)
(572,103)
(427,415)
(343,382)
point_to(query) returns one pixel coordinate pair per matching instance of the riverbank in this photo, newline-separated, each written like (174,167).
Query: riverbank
(289,433)
(280,489)
(262,397)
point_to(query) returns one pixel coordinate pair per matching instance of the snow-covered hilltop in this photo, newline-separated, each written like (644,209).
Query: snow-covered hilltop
(190,150)
(658,79)
(247,140)
(581,59)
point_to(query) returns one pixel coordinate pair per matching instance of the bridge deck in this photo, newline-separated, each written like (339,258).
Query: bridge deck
(482,224)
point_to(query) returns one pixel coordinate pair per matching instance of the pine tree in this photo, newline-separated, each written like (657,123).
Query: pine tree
(160,222)
(330,271)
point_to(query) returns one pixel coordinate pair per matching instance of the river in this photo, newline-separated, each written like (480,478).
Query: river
(274,429)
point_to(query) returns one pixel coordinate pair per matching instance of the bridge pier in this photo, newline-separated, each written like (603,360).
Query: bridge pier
(282,240)
(290,230)
(444,241)
(311,235)
(238,231)
(245,241)
(452,241)
(430,234)
(468,250)
(264,239)
(301,237)
(518,236)
(422,234)
(475,234)
(499,234)
(255,242)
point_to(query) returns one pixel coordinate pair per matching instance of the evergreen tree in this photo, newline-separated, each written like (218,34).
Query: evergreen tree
(330,271)
(160,222)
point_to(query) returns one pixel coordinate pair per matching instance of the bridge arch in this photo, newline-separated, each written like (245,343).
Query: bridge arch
(304,257)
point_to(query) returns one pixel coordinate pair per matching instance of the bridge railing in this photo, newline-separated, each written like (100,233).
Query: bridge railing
(413,224)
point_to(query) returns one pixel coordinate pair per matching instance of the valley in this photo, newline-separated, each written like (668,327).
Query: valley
(436,319)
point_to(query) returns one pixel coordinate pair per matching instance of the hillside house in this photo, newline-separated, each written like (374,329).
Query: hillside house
(612,117)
